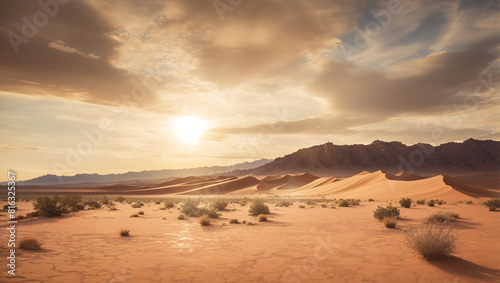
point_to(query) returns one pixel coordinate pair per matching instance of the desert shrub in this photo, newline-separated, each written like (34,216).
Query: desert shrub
(19,217)
(439,201)
(432,241)
(190,207)
(469,202)
(284,203)
(371,200)
(390,221)
(421,201)
(105,200)
(244,222)
(310,202)
(233,221)
(181,216)
(302,206)
(169,204)
(354,201)
(219,204)
(74,202)
(30,244)
(50,207)
(262,218)
(405,202)
(136,205)
(441,217)
(140,212)
(119,199)
(258,207)
(134,215)
(323,205)
(492,204)
(157,202)
(113,208)
(124,232)
(431,202)
(92,203)
(344,203)
(243,202)
(204,220)
(383,212)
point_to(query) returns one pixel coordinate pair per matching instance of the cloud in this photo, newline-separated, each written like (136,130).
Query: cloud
(257,40)
(421,85)
(84,70)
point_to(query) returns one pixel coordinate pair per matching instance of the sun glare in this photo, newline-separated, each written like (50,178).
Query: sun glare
(190,128)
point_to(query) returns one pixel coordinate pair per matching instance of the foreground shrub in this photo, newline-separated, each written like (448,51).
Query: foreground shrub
(169,204)
(92,203)
(124,232)
(30,244)
(284,203)
(50,207)
(258,207)
(405,202)
(492,204)
(383,212)
(421,201)
(190,207)
(440,218)
(432,241)
(204,220)
(74,202)
(262,218)
(390,221)
(344,203)
(119,199)
(219,204)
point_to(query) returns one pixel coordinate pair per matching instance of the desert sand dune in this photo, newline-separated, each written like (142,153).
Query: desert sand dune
(224,187)
(469,190)
(403,176)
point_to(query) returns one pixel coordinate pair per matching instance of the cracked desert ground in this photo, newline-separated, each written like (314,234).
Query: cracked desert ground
(311,244)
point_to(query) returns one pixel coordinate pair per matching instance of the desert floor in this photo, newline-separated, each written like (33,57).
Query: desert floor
(312,244)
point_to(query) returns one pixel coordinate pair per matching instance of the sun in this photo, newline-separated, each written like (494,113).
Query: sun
(190,128)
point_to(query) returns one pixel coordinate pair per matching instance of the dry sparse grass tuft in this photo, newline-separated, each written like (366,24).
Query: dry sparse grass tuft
(141,212)
(262,218)
(441,218)
(432,241)
(234,221)
(124,232)
(204,220)
(181,217)
(390,221)
(31,244)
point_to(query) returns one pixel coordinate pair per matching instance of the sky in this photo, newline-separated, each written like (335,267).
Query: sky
(106,86)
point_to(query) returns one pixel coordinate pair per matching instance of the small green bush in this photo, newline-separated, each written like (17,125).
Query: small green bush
(492,204)
(119,199)
(169,204)
(105,200)
(190,207)
(388,211)
(431,202)
(421,201)
(344,203)
(258,207)
(219,204)
(50,207)
(284,203)
(405,202)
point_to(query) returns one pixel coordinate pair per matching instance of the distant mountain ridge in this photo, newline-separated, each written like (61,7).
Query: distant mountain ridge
(143,175)
(473,155)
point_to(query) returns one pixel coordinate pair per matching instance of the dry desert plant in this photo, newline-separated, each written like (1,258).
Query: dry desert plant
(204,220)
(30,244)
(258,207)
(124,232)
(233,221)
(432,241)
(262,218)
(390,221)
